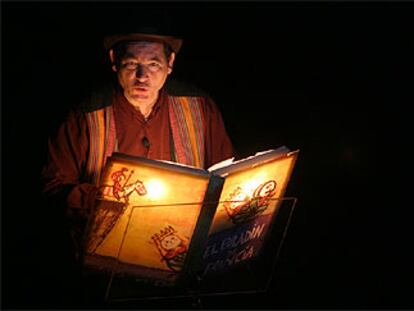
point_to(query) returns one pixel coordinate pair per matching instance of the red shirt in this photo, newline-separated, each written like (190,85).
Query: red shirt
(68,150)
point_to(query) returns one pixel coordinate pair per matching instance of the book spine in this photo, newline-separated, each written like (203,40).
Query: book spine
(199,240)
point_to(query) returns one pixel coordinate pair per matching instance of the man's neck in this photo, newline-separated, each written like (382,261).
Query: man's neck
(142,106)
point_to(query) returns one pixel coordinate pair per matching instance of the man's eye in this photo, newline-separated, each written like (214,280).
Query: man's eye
(130,65)
(154,66)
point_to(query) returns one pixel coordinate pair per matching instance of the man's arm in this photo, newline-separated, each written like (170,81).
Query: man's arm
(63,174)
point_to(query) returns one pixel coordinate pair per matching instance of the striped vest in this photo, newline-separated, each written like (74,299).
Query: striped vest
(187,128)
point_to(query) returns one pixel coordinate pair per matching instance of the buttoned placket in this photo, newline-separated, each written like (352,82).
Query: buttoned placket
(146,122)
(144,140)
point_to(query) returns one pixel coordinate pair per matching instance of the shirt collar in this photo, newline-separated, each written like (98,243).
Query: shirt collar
(125,105)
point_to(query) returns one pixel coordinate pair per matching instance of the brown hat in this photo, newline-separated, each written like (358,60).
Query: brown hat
(174,43)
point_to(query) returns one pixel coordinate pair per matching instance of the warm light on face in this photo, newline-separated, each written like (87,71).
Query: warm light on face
(156,189)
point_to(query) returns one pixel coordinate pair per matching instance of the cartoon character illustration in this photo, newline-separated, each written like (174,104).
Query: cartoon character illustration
(118,177)
(241,207)
(239,199)
(108,215)
(172,247)
(121,189)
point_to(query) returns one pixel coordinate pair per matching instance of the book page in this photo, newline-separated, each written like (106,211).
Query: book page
(221,164)
(229,165)
(145,218)
(247,206)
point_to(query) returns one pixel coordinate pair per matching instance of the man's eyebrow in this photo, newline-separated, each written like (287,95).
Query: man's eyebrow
(156,58)
(132,56)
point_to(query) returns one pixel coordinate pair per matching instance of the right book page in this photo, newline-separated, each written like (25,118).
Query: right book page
(247,206)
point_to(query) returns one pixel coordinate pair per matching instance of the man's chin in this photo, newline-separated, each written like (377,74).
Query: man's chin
(140,97)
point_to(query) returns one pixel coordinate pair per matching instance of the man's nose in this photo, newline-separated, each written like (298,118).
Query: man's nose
(141,72)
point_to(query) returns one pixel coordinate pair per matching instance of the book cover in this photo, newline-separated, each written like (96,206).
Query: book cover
(248,204)
(162,222)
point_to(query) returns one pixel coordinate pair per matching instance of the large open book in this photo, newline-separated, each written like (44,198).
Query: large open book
(161,222)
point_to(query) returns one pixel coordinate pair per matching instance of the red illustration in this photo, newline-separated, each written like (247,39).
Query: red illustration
(244,207)
(172,247)
(121,187)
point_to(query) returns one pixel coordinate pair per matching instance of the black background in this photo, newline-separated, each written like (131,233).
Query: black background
(333,79)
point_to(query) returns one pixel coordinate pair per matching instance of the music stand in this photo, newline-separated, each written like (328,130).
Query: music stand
(243,272)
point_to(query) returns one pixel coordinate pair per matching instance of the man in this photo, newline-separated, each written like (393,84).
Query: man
(142,115)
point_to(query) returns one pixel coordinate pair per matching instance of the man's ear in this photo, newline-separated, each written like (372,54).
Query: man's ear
(112,58)
(171,62)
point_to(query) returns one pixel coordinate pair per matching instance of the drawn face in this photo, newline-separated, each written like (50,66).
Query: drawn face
(170,242)
(267,189)
(143,71)
(120,178)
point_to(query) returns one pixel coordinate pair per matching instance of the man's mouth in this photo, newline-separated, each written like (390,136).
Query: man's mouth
(141,88)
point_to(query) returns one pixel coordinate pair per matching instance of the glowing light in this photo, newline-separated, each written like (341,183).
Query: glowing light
(156,189)
(250,186)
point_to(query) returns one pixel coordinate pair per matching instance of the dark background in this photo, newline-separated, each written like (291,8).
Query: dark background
(334,79)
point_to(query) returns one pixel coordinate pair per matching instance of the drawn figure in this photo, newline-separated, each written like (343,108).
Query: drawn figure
(121,189)
(243,208)
(172,247)
(118,177)
(239,199)
(110,212)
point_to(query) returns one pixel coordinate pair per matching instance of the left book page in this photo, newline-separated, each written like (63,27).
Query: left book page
(146,217)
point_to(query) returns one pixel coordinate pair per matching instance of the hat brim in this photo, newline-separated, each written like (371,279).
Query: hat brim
(174,43)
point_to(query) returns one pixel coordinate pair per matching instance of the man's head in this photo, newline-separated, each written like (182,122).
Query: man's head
(142,63)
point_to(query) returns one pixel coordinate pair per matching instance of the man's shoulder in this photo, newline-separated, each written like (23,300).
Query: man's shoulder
(182,88)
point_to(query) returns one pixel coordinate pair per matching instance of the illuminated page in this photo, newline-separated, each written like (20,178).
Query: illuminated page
(146,215)
(229,165)
(246,209)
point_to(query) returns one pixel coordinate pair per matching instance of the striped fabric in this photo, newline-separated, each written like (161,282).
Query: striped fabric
(187,128)
(102,140)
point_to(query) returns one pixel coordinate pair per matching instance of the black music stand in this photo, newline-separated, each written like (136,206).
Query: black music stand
(243,276)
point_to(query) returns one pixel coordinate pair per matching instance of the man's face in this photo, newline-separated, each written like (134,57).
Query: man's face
(142,72)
